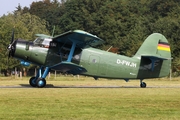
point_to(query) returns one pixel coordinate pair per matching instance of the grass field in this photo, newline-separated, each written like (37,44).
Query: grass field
(159,101)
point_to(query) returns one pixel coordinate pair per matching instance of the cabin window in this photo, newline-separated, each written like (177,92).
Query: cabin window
(42,42)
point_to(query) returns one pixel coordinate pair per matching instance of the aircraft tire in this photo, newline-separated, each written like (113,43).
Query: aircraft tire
(32,81)
(143,85)
(41,82)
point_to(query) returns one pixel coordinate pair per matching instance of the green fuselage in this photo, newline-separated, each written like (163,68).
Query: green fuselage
(98,63)
(109,65)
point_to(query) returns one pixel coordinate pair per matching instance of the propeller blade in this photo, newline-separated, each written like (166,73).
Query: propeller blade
(10,47)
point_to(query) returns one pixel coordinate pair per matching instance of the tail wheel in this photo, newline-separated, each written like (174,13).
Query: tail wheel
(41,82)
(143,85)
(32,81)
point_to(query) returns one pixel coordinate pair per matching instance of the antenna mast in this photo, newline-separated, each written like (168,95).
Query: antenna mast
(53,30)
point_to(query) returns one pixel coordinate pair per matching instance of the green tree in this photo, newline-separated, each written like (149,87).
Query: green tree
(47,10)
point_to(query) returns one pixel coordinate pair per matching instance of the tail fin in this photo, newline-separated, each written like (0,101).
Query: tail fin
(155,44)
(156,49)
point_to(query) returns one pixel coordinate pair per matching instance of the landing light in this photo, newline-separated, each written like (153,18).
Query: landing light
(25,63)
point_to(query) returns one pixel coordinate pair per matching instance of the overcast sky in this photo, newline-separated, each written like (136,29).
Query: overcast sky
(8,6)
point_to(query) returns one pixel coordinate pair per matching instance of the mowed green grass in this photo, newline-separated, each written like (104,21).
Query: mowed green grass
(159,101)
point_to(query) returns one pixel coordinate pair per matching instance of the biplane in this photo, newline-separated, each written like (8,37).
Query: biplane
(74,52)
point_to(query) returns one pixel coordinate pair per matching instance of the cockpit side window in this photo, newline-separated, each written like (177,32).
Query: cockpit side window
(42,42)
(38,41)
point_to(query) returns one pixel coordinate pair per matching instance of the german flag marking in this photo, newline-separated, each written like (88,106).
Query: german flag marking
(164,47)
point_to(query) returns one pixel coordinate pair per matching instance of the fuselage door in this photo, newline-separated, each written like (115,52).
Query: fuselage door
(93,64)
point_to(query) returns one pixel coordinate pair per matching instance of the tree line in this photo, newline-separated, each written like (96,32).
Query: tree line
(123,24)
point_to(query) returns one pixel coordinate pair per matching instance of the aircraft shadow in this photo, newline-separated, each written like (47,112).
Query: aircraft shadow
(52,86)
(79,87)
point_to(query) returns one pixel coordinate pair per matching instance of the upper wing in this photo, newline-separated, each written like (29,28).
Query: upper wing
(43,36)
(81,38)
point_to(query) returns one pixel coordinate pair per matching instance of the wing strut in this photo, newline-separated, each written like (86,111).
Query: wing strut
(71,52)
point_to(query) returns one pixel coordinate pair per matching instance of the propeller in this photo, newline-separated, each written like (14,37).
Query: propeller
(11,47)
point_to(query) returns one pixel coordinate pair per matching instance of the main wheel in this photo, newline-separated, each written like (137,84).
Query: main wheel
(41,82)
(143,85)
(32,81)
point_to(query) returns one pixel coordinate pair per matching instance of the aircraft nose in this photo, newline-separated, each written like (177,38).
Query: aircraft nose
(21,49)
(12,48)
(17,45)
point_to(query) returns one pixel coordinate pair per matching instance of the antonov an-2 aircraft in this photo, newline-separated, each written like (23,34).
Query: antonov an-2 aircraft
(73,52)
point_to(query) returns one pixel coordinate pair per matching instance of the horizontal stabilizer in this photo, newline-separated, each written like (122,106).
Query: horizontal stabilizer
(69,67)
(154,59)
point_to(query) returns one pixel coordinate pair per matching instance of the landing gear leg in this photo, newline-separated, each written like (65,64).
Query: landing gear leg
(142,84)
(39,80)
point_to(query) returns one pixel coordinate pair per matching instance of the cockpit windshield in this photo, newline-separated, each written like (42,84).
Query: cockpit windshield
(42,42)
